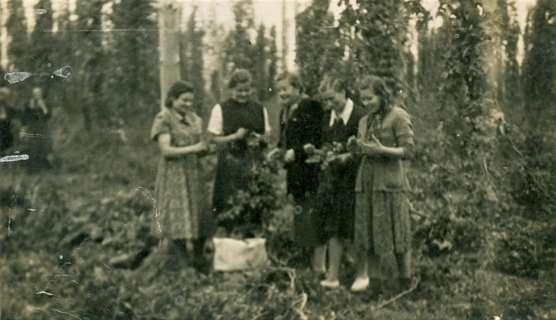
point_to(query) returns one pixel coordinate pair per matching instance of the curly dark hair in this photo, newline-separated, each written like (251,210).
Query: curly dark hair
(239,76)
(178,88)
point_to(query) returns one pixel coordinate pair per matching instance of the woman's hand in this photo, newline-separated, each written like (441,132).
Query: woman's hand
(240,133)
(274,154)
(289,156)
(201,147)
(342,158)
(372,148)
(42,105)
(309,148)
(352,145)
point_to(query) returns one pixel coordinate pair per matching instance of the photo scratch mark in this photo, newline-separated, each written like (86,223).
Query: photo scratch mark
(9,226)
(45,293)
(15,77)
(20,76)
(67,314)
(63,72)
(15,158)
(147,194)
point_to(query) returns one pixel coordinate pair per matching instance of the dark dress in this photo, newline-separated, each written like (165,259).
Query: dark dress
(236,159)
(298,127)
(7,116)
(336,194)
(36,137)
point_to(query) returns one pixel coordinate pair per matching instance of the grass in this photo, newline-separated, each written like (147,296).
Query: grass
(57,261)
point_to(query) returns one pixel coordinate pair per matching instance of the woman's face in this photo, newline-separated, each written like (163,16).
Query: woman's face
(371,101)
(333,100)
(287,93)
(241,92)
(183,102)
(37,93)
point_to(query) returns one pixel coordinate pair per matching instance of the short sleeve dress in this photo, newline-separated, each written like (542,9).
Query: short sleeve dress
(181,210)
(381,213)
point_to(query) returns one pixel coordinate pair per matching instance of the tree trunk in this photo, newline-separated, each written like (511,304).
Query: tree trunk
(493,51)
(168,26)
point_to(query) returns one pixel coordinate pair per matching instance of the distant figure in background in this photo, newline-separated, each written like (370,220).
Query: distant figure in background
(239,126)
(34,134)
(382,222)
(7,116)
(181,212)
(300,124)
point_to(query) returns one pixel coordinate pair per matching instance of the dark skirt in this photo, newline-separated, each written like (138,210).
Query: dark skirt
(305,231)
(302,179)
(334,212)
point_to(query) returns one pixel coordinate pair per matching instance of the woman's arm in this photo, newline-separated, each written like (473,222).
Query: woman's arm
(171,152)
(220,139)
(215,128)
(403,130)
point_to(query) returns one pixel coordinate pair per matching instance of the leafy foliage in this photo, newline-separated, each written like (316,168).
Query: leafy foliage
(317,50)
(192,60)
(134,60)
(16,26)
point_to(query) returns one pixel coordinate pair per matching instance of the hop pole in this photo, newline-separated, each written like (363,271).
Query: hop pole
(168,27)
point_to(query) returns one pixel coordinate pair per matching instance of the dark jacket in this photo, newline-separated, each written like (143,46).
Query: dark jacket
(298,128)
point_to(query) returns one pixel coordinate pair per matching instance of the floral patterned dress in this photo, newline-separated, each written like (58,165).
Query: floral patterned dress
(180,211)
(382,222)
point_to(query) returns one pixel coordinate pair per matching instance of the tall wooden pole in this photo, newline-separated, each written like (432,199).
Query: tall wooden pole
(168,27)
(285,30)
(492,53)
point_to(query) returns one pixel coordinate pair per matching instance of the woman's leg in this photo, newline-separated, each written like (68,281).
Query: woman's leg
(404,269)
(318,261)
(361,282)
(335,249)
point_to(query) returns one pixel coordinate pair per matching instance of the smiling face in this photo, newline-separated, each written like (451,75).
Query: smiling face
(183,102)
(242,92)
(288,94)
(370,100)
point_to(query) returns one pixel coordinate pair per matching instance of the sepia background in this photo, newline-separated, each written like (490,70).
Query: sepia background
(478,77)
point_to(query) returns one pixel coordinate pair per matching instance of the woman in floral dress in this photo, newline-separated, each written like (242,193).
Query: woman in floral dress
(180,211)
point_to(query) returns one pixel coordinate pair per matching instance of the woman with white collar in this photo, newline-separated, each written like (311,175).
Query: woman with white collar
(335,204)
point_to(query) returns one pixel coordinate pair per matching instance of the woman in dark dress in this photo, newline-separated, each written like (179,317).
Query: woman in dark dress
(7,115)
(35,135)
(300,124)
(337,182)
(231,124)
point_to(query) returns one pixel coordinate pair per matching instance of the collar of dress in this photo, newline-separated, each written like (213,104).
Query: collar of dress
(346,113)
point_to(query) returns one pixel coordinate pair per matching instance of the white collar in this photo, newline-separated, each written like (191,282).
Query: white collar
(346,113)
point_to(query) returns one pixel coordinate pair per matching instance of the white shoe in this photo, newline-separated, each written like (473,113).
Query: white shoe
(360,284)
(330,284)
